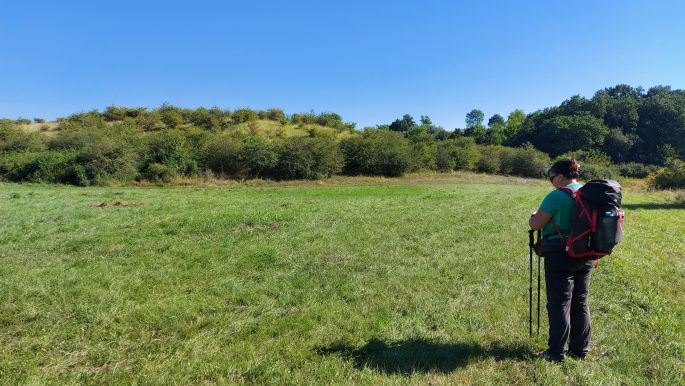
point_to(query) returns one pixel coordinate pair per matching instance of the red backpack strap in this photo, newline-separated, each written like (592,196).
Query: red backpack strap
(556,228)
(571,193)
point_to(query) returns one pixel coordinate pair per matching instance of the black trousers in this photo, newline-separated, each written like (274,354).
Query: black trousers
(568,285)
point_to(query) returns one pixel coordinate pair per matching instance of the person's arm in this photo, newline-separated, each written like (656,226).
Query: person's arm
(539,219)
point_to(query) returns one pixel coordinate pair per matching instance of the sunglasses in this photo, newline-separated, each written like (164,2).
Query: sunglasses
(551,176)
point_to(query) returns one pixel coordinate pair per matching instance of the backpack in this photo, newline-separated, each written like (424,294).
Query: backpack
(597,223)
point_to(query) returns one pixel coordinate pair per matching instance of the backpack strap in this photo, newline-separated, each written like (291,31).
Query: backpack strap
(556,228)
(569,191)
(572,193)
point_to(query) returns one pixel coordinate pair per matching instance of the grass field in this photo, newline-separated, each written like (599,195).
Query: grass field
(376,283)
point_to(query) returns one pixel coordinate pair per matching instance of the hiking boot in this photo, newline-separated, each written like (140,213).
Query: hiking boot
(549,357)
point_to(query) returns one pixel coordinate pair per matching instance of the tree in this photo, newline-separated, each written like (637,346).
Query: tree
(474,118)
(514,122)
(426,120)
(495,120)
(566,133)
(276,115)
(403,125)
(576,105)
(170,115)
(477,132)
(661,123)
(617,145)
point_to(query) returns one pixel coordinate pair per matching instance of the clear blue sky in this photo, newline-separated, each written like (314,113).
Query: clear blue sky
(370,61)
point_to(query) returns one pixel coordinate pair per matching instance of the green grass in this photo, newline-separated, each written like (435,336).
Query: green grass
(376,284)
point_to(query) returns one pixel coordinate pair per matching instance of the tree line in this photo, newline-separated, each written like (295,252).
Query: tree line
(626,124)
(620,131)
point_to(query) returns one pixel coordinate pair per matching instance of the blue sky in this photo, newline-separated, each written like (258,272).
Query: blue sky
(370,61)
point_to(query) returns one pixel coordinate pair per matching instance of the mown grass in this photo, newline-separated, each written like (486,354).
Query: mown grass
(382,283)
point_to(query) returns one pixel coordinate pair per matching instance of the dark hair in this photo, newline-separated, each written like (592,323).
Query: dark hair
(569,167)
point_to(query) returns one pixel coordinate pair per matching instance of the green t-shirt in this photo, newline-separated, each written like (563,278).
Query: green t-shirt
(560,205)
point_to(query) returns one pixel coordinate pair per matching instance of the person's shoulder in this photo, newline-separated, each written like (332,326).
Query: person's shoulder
(556,193)
(552,199)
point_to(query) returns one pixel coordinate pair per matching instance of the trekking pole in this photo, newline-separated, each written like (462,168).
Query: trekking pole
(539,258)
(531,243)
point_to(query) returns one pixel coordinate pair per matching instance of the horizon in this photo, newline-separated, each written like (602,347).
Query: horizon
(369,63)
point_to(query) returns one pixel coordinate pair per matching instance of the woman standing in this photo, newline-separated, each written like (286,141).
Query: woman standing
(567,279)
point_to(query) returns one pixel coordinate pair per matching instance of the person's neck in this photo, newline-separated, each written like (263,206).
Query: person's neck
(567,182)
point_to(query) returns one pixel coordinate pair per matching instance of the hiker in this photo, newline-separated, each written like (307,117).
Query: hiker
(567,279)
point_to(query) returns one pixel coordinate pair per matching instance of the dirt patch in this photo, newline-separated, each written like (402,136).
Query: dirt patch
(115,204)
(244,226)
(273,227)
(334,260)
(107,367)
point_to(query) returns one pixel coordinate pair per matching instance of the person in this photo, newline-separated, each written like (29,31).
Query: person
(567,279)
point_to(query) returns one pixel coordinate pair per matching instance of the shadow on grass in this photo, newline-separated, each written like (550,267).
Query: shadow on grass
(421,356)
(663,205)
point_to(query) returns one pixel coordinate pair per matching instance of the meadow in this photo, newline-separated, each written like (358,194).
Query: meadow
(347,281)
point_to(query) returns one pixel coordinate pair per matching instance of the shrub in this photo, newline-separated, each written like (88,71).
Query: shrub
(330,120)
(110,161)
(308,158)
(636,170)
(23,121)
(13,138)
(50,167)
(149,121)
(244,115)
(424,149)
(88,166)
(38,120)
(258,157)
(276,115)
(489,160)
(12,164)
(118,113)
(72,139)
(196,141)
(168,148)
(208,119)
(377,152)
(680,198)
(595,157)
(222,155)
(91,120)
(526,161)
(241,156)
(303,118)
(443,157)
(507,158)
(591,171)
(171,116)
(158,172)
(461,153)
(671,176)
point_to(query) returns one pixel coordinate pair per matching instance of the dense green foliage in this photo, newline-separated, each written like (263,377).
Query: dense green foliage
(122,144)
(371,285)
(620,131)
(628,124)
(670,176)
